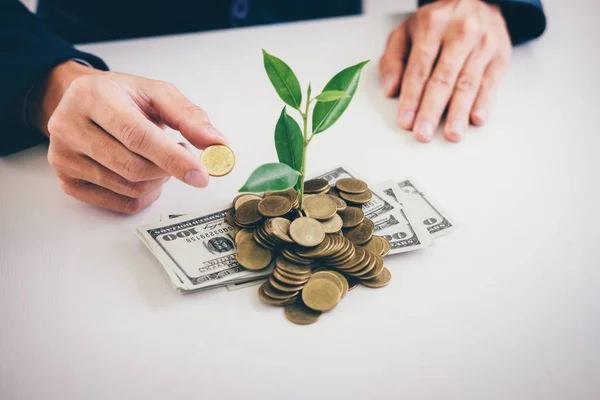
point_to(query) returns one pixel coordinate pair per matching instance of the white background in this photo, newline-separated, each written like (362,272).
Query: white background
(505,307)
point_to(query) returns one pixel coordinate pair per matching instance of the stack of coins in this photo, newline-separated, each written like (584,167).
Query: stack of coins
(318,254)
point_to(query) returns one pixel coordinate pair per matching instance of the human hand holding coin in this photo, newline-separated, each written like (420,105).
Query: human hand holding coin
(449,55)
(107,144)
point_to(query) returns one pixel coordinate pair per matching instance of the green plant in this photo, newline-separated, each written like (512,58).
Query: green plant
(291,142)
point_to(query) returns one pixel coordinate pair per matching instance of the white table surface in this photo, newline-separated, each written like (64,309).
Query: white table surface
(507,306)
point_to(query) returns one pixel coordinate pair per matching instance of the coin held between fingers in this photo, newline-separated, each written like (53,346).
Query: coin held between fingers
(218,160)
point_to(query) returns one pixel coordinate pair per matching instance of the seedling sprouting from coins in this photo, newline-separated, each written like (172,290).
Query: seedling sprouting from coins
(291,141)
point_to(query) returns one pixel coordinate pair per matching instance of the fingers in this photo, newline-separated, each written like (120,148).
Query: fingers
(129,126)
(489,83)
(439,88)
(99,145)
(465,91)
(424,51)
(82,168)
(101,197)
(391,64)
(179,113)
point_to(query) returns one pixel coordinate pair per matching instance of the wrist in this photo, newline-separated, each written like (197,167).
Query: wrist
(46,96)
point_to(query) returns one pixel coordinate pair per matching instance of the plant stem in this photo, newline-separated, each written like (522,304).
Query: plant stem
(306,141)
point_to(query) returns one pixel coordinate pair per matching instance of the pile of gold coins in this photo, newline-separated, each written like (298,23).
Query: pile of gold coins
(319,253)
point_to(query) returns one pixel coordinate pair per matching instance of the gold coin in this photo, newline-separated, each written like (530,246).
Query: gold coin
(339,203)
(351,185)
(298,313)
(376,269)
(359,257)
(281,228)
(218,160)
(315,185)
(288,266)
(321,294)
(340,279)
(319,207)
(386,246)
(263,240)
(274,206)
(247,214)
(295,258)
(361,198)
(243,198)
(289,194)
(375,245)
(362,266)
(352,216)
(314,252)
(274,302)
(367,269)
(289,281)
(307,232)
(286,274)
(284,287)
(276,294)
(243,235)
(362,233)
(253,257)
(229,217)
(380,280)
(333,224)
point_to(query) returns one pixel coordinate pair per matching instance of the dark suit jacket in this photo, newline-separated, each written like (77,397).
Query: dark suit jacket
(31,45)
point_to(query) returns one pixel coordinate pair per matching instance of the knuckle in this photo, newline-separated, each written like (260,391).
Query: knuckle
(132,169)
(133,135)
(170,162)
(442,80)
(56,124)
(131,206)
(468,26)
(192,111)
(466,83)
(166,87)
(138,189)
(431,17)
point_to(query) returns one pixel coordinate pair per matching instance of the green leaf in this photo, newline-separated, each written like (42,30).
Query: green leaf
(326,113)
(289,142)
(283,79)
(332,95)
(270,178)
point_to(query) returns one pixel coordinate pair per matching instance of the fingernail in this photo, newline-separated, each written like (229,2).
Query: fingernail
(388,83)
(424,130)
(480,114)
(406,118)
(196,178)
(455,131)
(212,131)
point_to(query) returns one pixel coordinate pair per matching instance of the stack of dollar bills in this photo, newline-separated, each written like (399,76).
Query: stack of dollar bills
(198,250)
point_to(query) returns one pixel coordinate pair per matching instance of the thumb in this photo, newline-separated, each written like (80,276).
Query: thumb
(391,63)
(175,110)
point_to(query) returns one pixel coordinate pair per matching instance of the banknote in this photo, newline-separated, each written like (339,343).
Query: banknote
(197,251)
(408,234)
(432,216)
(387,215)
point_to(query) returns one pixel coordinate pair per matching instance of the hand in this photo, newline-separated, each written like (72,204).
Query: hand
(107,145)
(449,54)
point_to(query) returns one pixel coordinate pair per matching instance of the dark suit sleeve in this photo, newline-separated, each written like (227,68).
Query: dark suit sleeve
(525,19)
(28,50)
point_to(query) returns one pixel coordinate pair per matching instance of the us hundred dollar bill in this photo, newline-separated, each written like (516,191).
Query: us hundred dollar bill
(197,251)
(426,211)
(388,216)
